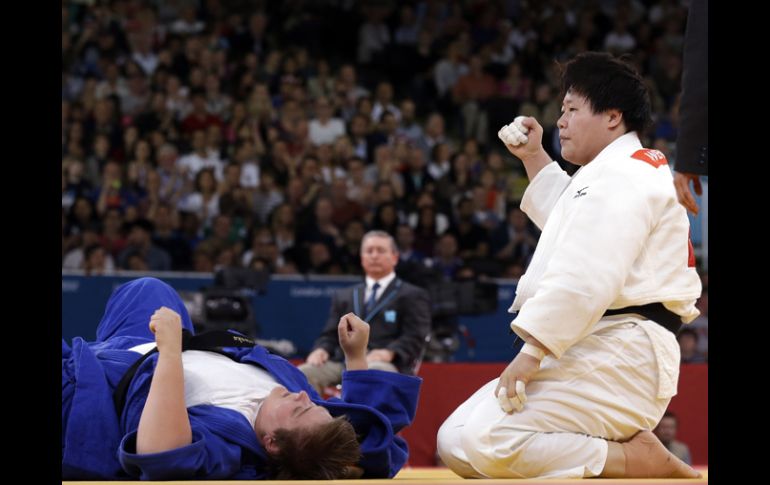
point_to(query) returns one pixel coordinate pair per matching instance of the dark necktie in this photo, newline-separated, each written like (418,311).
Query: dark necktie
(372,299)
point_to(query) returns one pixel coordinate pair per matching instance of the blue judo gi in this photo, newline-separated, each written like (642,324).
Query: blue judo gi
(99,444)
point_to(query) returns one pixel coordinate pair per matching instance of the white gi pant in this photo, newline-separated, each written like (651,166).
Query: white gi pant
(605,387)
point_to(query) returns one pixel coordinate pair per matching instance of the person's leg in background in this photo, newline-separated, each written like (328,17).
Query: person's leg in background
(322,376)
(386,366)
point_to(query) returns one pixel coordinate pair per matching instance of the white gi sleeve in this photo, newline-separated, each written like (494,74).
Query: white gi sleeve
(543,192)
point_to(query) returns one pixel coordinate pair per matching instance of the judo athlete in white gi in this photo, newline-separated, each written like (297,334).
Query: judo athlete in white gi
(586,388)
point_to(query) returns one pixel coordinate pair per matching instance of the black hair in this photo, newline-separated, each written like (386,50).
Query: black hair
(609,83)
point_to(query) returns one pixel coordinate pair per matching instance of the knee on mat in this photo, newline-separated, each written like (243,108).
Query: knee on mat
(449,451)
(447,438)
(504,456)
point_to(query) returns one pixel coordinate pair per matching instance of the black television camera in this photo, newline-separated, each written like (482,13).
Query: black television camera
(228,304)
(449,299)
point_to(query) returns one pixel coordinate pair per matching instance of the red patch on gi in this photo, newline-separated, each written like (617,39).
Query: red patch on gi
(653,157)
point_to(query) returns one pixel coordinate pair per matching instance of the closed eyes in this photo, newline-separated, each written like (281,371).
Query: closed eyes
(297,413)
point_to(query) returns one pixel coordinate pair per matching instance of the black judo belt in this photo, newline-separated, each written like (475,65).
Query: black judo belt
(655,312)
(212,341)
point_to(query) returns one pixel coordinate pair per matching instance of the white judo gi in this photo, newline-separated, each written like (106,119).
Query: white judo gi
(613,236)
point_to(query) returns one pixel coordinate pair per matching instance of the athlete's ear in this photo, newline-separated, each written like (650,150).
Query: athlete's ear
(270,444)
(353,472)
(614,118)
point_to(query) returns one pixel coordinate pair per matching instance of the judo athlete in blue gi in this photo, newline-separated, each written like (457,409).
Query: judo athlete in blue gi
(198,414)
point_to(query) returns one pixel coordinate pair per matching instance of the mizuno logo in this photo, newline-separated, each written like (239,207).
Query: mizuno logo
(581,192)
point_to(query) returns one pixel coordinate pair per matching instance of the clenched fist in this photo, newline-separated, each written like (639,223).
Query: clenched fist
(166,324)
(354,337)
(515,133)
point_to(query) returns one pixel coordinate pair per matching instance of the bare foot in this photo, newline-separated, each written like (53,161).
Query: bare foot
(646,457)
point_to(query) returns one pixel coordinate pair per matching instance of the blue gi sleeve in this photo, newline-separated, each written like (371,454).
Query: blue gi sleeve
(209,456)
(387,398)
(394,395)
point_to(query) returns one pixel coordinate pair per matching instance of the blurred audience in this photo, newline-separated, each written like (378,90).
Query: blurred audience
(666,433)
(177,113)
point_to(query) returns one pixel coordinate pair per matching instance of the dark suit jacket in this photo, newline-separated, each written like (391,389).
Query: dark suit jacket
(692,143)
(400,321)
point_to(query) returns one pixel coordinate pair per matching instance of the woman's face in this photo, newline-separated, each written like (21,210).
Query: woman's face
(282,409)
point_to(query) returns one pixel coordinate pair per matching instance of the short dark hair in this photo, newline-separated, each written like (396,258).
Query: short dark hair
(609,83)
(327,452)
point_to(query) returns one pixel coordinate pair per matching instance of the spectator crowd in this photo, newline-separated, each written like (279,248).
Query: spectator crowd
(199,135)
